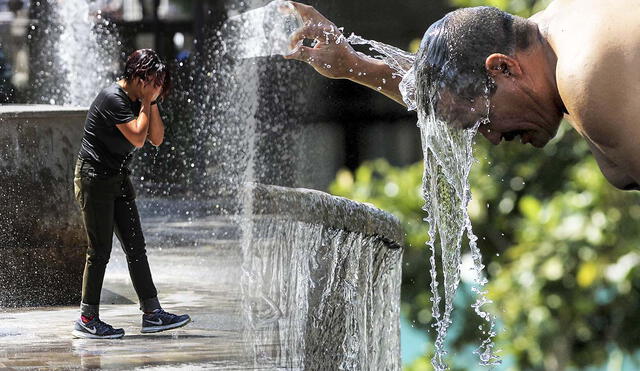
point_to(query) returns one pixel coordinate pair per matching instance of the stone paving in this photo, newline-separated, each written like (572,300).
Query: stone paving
(198,276)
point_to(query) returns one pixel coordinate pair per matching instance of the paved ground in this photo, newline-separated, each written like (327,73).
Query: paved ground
(196,269)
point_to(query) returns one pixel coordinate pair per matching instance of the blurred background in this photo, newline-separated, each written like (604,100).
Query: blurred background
(559,243)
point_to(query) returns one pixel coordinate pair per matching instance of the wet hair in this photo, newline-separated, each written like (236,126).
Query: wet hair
(454,49)
(146,65)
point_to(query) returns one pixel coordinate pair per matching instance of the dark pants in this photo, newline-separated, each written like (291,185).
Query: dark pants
(107,200)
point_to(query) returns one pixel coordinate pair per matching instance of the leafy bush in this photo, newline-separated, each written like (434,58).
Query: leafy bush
(559,242)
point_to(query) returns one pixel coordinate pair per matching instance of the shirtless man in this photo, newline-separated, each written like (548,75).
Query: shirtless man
(578,58)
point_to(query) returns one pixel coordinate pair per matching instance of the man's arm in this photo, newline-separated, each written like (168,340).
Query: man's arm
(156,127)
(136,130)
(333,57)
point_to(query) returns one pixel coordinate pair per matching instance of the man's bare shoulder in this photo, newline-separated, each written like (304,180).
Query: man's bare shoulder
(598,77)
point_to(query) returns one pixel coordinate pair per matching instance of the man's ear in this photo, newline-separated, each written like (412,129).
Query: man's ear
(502,65)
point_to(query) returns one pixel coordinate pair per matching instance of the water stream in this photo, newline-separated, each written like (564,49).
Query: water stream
(310,292)
(81,54)
(321,296)
(448,157)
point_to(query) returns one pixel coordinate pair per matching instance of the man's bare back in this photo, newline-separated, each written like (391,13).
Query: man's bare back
(598,75)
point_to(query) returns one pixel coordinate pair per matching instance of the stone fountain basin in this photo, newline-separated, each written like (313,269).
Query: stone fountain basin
(324,282)
(42,238)
(311,206)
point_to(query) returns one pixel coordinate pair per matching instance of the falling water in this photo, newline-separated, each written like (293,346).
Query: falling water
(329,282)
(315,295)
(265,31)
(447,161)
(448,157)
(80,54)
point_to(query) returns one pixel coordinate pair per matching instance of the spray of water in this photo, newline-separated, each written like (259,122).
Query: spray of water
(326,295)
(309,293)
(87,52)
(448,156)
(80,54)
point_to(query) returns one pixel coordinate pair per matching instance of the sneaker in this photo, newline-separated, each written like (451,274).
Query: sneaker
(96,329)
(160,320)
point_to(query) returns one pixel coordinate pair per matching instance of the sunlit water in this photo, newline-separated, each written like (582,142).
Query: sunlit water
(265,31)
(320,297)
(448,157)
(81,54)
(314,297)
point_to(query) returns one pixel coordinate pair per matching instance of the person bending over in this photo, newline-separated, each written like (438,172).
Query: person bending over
(123,117)
(577,58)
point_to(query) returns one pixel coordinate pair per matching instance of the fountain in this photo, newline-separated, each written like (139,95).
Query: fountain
(323,284)
(312,280)
(41,232)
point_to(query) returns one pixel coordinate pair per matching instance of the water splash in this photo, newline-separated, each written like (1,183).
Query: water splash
(80,53)
(399,60)
(448,157)
(265,31)
(322,296)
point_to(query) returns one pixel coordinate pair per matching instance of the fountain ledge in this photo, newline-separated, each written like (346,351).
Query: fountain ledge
(42,236)
(317,207)
(37,111)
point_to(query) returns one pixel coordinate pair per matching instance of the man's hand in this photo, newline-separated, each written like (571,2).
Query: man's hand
(150,92)
(332,56)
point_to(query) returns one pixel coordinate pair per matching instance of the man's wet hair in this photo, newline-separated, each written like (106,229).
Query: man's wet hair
(454,50)
(146,65)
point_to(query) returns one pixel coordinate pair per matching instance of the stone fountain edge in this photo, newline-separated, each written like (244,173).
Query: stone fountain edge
(316,207)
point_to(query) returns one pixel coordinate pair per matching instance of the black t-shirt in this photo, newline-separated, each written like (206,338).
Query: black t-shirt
(103,144)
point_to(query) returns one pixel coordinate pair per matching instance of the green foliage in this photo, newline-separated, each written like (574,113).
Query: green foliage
(559,242)
(563,281)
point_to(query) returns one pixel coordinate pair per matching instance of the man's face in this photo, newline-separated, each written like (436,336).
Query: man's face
(514,114)
(460,112)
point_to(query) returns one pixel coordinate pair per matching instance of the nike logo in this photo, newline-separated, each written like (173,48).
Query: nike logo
(91,330)
(159,322)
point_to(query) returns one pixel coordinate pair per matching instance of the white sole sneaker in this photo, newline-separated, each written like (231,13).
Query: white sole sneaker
(152,329)
(84,335)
